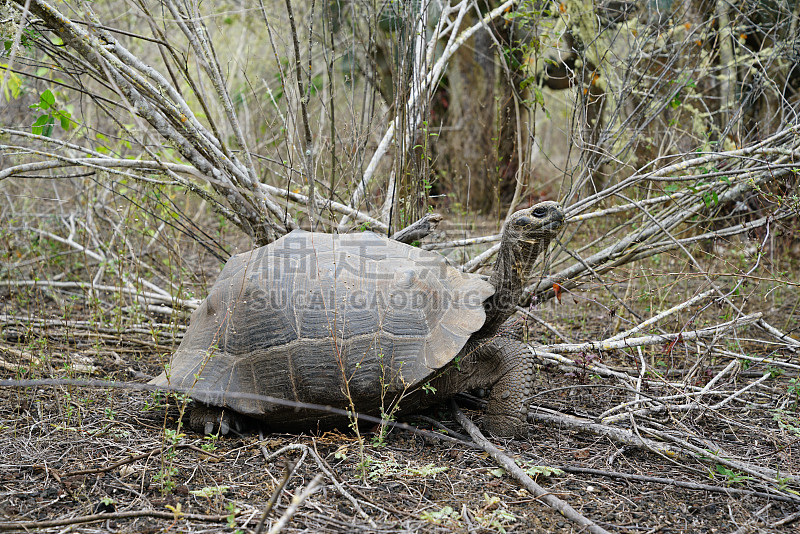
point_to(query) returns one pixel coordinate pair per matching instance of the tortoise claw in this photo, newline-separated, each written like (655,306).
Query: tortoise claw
(224,427)
(212,419)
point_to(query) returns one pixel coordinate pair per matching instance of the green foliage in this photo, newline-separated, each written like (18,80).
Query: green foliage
(444,516)
(210,442)
(165,477)
(210,491)
(794,390)
(13,87)
(786,422)
(383,468)
(46,121)
(26,40)
(775,372)
(426,470)
(494,516)
(231,518)
(530,469)
(534,471)
(732,477)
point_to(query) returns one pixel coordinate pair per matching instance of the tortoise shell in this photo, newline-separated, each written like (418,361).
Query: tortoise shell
(325,318)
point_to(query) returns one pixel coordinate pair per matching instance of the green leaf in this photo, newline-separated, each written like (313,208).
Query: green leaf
(64,117)
(47,131)
(538,96)
(536,470)
(40,123)
(46,100)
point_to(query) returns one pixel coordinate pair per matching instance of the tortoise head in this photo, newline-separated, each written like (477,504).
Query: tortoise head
(526,234)
(530,230)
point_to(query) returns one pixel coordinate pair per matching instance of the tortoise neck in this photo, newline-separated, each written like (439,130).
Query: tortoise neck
(512,269)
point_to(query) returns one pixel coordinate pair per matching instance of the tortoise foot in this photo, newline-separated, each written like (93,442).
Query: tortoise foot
(506,426)
(213,419)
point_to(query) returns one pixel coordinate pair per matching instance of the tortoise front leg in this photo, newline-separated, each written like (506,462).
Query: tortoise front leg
(507,367)
(512,370)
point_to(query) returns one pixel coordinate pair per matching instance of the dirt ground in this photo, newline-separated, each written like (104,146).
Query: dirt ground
(70,453)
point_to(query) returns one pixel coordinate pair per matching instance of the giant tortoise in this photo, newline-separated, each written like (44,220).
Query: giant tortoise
(359,322)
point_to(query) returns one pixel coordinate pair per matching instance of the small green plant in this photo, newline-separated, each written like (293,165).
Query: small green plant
(154,402)
(210,491)
(494,516)
(231,517)
(775,372)
(783,484)
(379,440)
(210,442)
(786,422)
(165,477)
(426,470)
(381,469)
(445,516)
(732,477)
(341,453)
(428,388)
(794,390)
(534,471)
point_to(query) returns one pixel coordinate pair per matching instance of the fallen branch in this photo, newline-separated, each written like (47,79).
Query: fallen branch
(659,339)
(620,435)
(287,473)
(95,518)
(707,456)
(462,242)
(678,483)
(305,449)
(295,504)
(512,468)
(666,313)
(418,230)
(190,304)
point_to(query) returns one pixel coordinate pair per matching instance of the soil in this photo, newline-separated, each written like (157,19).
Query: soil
(69,453)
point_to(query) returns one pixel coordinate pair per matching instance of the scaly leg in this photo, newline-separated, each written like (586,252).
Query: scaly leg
(514,373)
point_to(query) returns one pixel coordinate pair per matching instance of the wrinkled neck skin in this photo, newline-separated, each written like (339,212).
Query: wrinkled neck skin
(515,261)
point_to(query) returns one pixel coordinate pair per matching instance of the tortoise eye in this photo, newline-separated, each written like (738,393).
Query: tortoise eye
(539,212)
